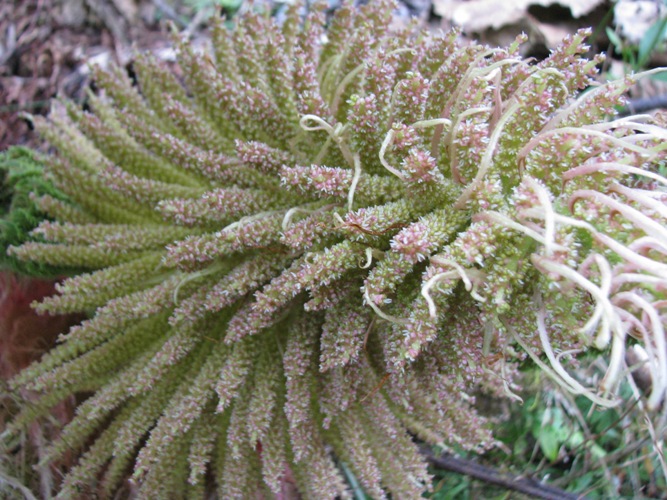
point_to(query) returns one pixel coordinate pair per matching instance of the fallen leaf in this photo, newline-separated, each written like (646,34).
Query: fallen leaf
(479,15)
(634,18)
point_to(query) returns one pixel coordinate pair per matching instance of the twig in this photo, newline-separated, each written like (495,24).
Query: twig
(491,476)
(641,105)
(13,108)
(169,11)
(17,485)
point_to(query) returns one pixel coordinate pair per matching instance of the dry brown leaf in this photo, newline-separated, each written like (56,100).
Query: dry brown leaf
(479,15)
(634,18)
(128,9)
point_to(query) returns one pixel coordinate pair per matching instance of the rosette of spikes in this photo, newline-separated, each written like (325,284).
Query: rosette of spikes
(317,247)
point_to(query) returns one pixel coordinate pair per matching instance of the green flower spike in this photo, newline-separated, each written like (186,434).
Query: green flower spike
(317,247)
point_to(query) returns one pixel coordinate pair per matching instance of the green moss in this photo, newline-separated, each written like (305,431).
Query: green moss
(21,181)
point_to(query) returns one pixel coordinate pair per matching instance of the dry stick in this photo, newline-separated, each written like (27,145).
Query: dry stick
(641,105)
(169,12)
(492,476)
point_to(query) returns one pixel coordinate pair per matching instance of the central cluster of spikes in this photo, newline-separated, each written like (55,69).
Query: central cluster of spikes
(316,247)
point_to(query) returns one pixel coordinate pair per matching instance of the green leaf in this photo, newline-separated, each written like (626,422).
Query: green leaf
(614,39)
(230,4)
(21,179)
(652,38)
(662,76)
(597,451)
(576,439)
(549,442)
(520,446)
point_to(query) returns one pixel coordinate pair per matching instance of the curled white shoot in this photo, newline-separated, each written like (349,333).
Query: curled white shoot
(621,83)
(632,324)
(372,253)
(443,262)
(619,86)
(339,219)
(287,220)
(497,217)
(607,318)
(503,369)
(639,219)
(323,151)
(381,314)
(431,123)
(638,279)
(495,77)
(616,361)
(339,139)
(549,214)
(585,132)
(649,131)
(369,258)
(335,101)
(355,181)
(569,352)
(658,339)
(656,194)
(487,159)
(320,124)
(629,130)
(553,360)
(646,352)
(603,167)
(194,276)
(504,379)
(470,278)
(245,220)
(657,437)
(489,72)
(646,243)
(388,140)
(538,213)
(453,156)
(440,123)
(633,259)
(640,197)
(606,279)
(634,125)
(555,376)
(629,122)
(426,290)
(473,71)
(336,133)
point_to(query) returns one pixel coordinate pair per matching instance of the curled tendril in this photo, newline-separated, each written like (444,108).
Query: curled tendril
(370,254)
(554,369)
(392,319)
(607,318)
(388,141)
(336,134)
(509,223)
(487,159)
(470,278)
(656,346)
(355,181)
